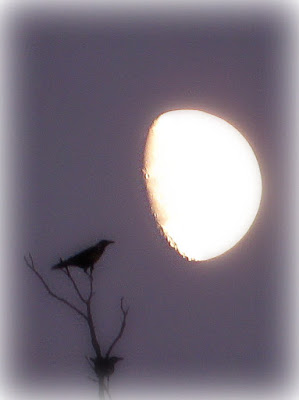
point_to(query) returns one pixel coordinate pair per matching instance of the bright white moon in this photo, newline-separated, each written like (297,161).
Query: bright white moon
(203,181)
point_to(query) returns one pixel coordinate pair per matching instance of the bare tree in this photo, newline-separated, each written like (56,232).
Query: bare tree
(102,363)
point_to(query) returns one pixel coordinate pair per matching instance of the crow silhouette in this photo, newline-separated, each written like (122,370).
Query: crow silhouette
(86,258)
(104,366)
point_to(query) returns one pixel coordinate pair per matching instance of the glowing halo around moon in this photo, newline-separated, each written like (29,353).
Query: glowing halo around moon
(203,181)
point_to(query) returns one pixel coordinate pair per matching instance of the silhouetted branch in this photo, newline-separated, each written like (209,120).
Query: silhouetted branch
(122,328)
(89,362)
(106,388)
(93,379)
(51,293)
(68,274)
(93,335)
(90,286)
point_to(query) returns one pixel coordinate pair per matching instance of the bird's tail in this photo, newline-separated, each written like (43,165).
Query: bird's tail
(61,264)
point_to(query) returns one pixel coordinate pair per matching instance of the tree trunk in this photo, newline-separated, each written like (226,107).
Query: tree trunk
(94,340)
(101,388)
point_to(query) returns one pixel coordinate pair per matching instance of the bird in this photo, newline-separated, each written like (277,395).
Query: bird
(104,366)
(86,258)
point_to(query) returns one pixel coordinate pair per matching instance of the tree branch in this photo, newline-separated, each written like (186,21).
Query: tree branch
(51,293)
(122,328)
(89,363)
(90,286)
(93,335)
(93,379)
(68,274)
(106,390)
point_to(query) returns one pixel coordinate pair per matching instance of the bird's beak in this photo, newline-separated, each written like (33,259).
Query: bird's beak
(111,241)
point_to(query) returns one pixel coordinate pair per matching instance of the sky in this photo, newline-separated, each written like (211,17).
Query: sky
(88,89)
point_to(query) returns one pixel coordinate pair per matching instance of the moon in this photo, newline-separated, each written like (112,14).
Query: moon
(203,181)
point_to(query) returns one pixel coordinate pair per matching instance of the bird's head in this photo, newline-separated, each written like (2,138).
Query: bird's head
(106,242)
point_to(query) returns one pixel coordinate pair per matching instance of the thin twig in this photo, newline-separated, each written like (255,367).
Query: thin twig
(93,379)
(89,363)
(122,328)
(51,293)
(106,389)
(90,286)
(69,275)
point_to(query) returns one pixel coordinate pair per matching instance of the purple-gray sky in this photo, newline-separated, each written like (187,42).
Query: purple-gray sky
(90,91)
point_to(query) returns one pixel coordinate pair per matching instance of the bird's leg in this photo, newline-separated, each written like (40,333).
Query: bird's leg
(90,268)
(86,270)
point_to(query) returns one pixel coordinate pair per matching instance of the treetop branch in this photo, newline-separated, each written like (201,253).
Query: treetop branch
(122,327)
(30,264)
(68,274)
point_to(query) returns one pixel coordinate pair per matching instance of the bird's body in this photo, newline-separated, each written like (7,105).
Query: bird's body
(86,258)
(104,366)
